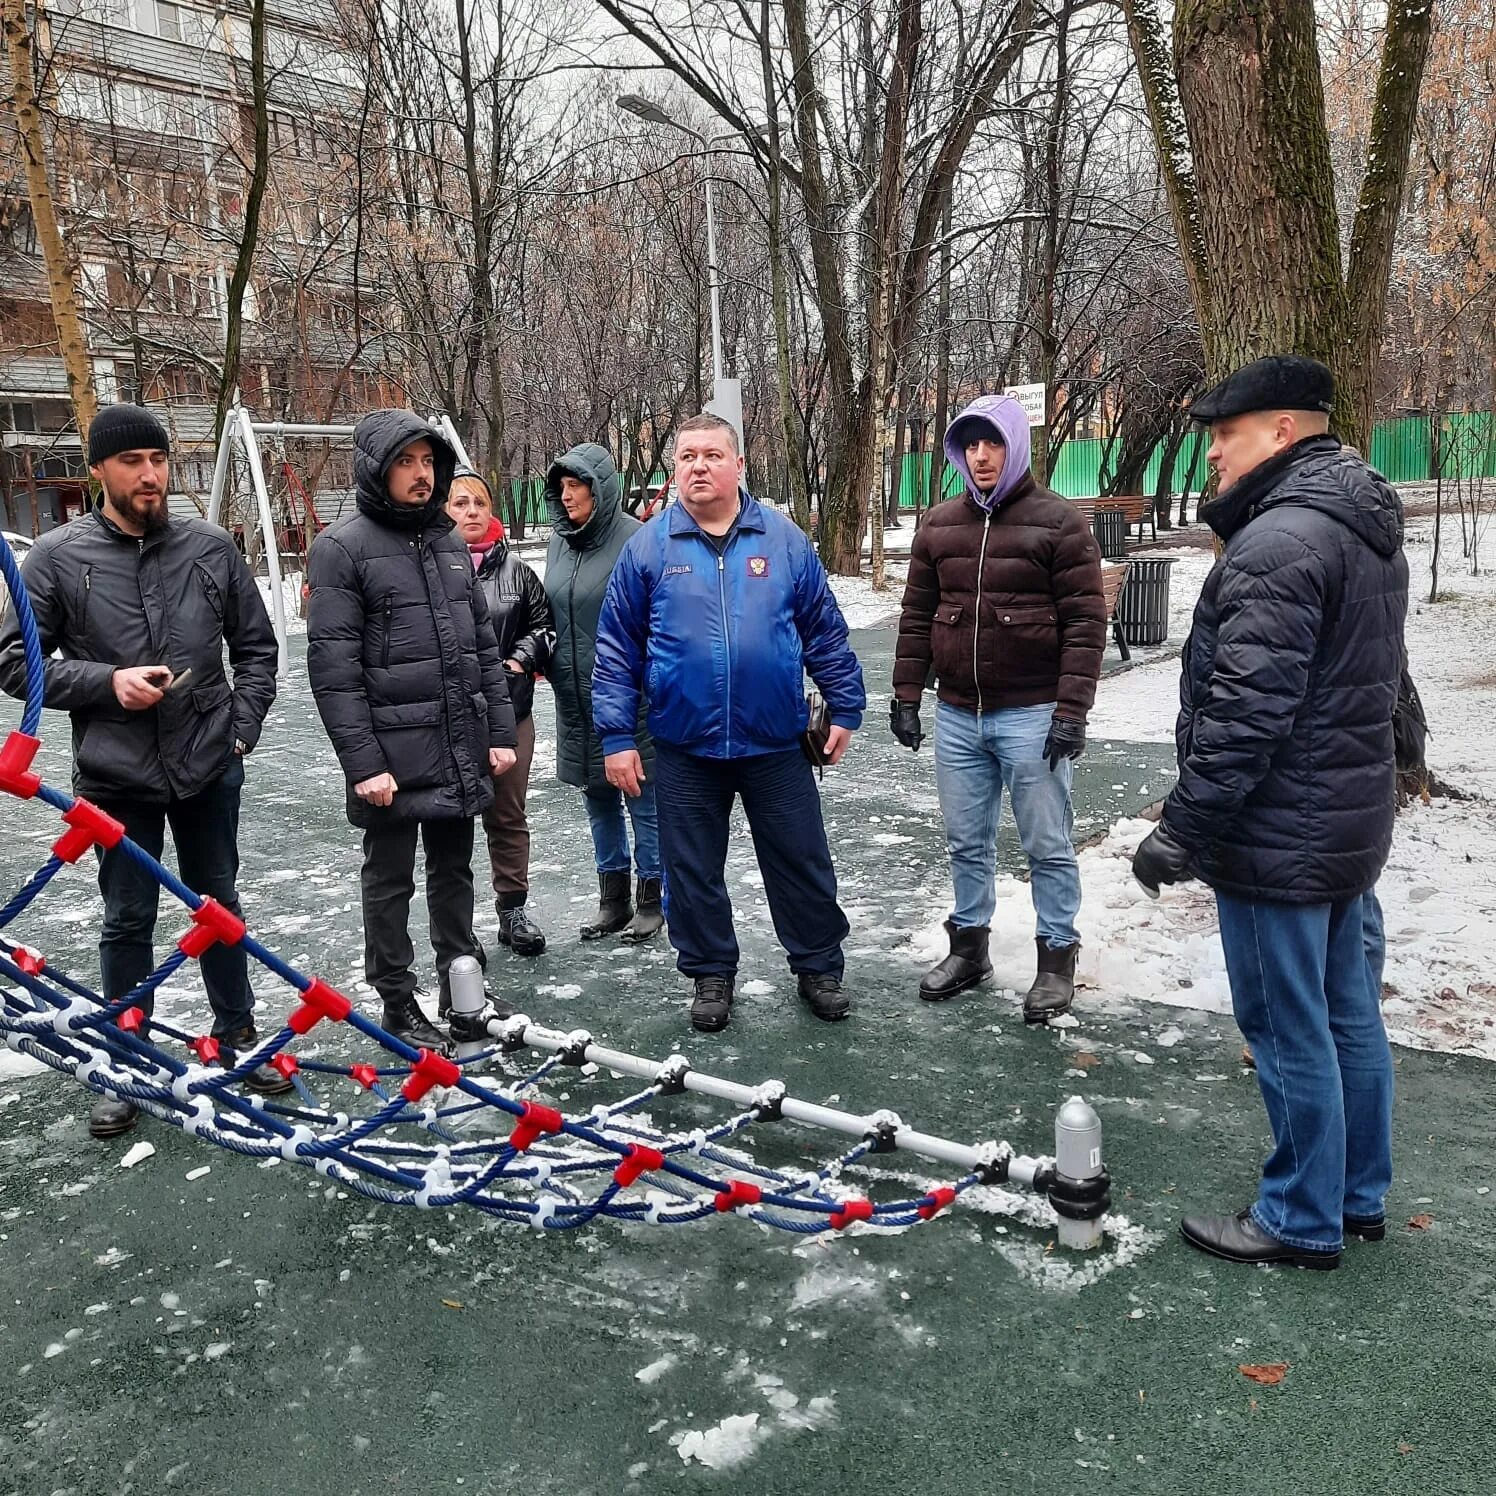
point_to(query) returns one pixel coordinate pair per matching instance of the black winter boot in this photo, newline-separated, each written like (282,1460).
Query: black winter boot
(711,1007)
(110,1118)
(1054,986)
(614,910)
(825,995)
(517,932)
(405,1020)
(966,965)
(649,915)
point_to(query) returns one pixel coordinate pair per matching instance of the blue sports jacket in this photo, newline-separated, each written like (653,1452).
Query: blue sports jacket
(719,645)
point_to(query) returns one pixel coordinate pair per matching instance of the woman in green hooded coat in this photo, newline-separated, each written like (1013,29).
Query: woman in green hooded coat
(588,530)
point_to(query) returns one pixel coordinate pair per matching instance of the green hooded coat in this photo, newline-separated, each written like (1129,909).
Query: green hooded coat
(577,568)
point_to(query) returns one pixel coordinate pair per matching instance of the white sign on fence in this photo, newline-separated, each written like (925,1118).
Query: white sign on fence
(1031,398)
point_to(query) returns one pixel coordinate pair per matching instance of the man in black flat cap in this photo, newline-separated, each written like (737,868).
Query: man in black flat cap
(1285,797)
(138,605)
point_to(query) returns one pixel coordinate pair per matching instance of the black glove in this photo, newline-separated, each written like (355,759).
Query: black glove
(903,722)
(1067,739)
(1160,859)
(521,692)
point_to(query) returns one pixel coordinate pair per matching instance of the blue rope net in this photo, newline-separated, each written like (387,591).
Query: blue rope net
(418,1128)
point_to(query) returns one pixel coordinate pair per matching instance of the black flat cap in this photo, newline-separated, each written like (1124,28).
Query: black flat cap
(1284,381)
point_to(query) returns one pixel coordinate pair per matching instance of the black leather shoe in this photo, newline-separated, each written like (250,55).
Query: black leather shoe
(110,1118)
(966,965)
(1366,1230)
(711,1007)
(405,1020)
(1238,1238)
(824,993)
(519,932)
(1054,986)
(262,1080)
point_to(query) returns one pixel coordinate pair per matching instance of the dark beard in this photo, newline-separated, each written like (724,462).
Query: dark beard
(150,519)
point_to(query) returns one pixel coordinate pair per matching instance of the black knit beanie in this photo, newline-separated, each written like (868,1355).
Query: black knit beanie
(124,428)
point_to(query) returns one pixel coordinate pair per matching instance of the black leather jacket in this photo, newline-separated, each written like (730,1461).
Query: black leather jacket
(521,616)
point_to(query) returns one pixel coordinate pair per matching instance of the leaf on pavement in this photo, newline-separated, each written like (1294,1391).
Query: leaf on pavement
(1265,1376)
(451,1304)
(1085,1059)
(1420,1222)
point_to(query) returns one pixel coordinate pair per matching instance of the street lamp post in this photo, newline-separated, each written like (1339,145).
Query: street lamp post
(727,394)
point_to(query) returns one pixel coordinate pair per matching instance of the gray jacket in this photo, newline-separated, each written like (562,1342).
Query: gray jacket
(577,568)
(107,600)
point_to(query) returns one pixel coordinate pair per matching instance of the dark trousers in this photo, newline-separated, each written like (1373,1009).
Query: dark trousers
(388,882)
(205,832)
(505,826)
(783,806)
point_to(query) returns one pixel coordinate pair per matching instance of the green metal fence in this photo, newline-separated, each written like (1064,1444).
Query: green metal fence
(1402,450)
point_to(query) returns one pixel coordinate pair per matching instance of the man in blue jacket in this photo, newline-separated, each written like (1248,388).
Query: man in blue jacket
(1285,798)
(715,612)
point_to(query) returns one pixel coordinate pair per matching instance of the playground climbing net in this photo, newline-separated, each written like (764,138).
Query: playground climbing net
(414,1127)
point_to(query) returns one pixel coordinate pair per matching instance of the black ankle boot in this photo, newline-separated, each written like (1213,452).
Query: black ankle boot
(711,1005)
(614,910)
(1054,986)
(405,1020)
(110,1118)
(966,965)
(518,932)
(649,913)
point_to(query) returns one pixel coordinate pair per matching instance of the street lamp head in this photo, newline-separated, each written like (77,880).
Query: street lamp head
(647,109)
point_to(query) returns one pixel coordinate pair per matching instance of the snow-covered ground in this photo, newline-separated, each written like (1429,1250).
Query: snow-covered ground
(1439,888)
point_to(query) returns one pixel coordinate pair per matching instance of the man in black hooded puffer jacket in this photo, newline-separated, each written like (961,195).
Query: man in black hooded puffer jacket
(1286,794)
(408,679)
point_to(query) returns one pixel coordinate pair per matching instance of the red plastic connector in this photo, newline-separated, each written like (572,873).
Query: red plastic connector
(852,1210)
(212,925)
(28,961)
(90,828)
(285,1064)
(738,1192)
(638,1160)
(534,1123)
(428,1072)
(319,1001)
(206,1048)
(938,1200)
(16,777)
(131,1020)
(366,1075)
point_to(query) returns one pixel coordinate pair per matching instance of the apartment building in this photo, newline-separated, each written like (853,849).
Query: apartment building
(151,129)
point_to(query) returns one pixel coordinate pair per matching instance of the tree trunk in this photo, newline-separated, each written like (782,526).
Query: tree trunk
(61,286)
(249,239)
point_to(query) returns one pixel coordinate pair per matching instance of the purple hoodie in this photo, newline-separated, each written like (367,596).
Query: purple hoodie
(991,415)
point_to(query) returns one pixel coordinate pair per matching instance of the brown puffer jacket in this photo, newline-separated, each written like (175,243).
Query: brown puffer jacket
(1008,609)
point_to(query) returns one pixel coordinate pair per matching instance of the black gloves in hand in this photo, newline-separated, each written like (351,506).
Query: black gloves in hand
(1160,859)
(903,722)
(1067,739)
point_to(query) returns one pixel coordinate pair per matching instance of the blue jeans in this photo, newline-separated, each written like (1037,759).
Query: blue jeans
(205,830)
(610,830)
(976,759)
(1306,990)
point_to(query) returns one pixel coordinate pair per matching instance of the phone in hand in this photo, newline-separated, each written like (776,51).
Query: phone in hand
(178,680)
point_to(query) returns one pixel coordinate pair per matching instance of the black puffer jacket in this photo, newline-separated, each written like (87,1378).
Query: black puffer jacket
(107,600)
(521,616)
(401,654)
(1286,778)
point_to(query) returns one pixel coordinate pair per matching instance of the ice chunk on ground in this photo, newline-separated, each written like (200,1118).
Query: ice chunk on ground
(138,1155)
(722,1446)
(656,1369)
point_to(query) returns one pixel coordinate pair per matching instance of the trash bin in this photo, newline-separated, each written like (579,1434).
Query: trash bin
(1109,526)
(1143,607)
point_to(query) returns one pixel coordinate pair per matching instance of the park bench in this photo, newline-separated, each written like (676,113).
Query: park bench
(1113,575)
(1135,507)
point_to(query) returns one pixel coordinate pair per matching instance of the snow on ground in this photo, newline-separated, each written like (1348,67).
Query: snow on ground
(1439,887)
(291,585)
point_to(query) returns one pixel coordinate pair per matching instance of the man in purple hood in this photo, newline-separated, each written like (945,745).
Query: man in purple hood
(1004,605)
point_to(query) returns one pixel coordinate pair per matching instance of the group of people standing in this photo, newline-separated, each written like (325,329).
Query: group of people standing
(678,651)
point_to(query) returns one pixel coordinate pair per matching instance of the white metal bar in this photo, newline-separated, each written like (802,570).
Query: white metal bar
(272,540)
(1021,1170)
(221,465)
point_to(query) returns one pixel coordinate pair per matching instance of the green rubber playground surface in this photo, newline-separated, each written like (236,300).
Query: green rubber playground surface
(252,1330)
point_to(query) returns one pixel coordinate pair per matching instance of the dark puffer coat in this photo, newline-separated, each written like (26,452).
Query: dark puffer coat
(175,597)
(1008,608)
(1286,777)
(402,657)
(521,616)
(577,568)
